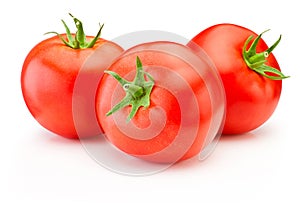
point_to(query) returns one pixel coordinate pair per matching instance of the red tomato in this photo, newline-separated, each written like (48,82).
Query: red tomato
(252,91)
(59,82)
(165,113)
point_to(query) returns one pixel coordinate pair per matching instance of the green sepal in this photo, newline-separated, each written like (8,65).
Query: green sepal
(137,92)
(256,61)
(79,41)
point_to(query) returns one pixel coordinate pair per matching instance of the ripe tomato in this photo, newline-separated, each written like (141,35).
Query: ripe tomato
(165,114)
(250,74)
(59,81)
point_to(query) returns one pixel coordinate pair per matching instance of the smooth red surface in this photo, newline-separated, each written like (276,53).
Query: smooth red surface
(48,79)
(169,72)
(251,98)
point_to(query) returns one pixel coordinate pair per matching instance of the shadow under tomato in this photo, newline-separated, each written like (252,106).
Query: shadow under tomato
(95,147)
(238,137)
(57,139)
(196,162)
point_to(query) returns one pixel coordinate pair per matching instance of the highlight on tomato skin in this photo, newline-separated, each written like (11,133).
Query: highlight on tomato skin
(179,117)
(59,82)
(250,73)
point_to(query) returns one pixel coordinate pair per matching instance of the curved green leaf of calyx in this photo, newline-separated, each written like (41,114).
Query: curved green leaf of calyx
(78,41)
(137,92)
(256,61)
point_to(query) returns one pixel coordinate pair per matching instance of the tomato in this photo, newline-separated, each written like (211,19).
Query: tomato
(59,81)
(249,71)
(158,107)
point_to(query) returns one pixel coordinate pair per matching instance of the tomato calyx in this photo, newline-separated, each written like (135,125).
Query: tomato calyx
(79,41)
(137,92)
(256,61)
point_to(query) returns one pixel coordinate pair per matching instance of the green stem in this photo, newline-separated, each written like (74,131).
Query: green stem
(256,61)
(137,92)
(79,41)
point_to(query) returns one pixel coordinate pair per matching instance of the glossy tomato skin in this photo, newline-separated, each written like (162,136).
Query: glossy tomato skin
(156,128)
(48,77)
(251,98)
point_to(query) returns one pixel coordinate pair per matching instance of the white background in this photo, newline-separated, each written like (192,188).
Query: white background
(37,166)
